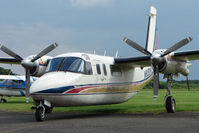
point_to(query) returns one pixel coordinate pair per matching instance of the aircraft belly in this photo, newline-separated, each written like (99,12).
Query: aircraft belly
(85,99)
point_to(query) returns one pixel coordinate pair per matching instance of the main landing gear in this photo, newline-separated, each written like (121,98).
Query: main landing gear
(41,110)
(2,100)
(170,103)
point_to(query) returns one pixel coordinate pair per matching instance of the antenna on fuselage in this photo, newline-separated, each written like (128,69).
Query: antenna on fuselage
(94,52)
(116,54)
(104,52)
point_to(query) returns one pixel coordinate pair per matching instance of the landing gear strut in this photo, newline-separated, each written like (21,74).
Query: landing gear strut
(170,103)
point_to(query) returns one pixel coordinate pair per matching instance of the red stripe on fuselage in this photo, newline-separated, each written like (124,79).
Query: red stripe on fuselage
(77,90)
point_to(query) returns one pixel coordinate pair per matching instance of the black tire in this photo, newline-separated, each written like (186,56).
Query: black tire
(40,114)
(170,104)
(3,100)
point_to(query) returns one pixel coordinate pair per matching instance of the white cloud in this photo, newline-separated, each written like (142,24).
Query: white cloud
(90,3)
(30,39)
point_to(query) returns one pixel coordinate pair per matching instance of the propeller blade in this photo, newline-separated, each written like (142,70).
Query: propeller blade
(45,51)
(136,46)
(156,82)
(177,46)
(27,84)
(10,52)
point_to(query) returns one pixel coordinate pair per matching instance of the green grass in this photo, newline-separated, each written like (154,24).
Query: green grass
(142,103)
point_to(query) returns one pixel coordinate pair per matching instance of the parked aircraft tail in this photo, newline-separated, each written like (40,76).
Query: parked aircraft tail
(151,43)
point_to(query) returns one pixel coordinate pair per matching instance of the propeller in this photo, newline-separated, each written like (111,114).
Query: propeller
(177,46)
(156,82)
(157,58)
(11,53)
(136,46)
(27,63)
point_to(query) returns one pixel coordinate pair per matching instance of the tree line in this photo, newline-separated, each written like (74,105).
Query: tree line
(4,71)
(193,84)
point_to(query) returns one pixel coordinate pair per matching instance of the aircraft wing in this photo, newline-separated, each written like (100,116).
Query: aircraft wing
(141,61)
(11,77)
(144,61)
(7,60)
(186,55)
(16,77)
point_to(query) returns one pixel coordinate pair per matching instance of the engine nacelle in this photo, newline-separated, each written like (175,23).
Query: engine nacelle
(39,65)
(175,67)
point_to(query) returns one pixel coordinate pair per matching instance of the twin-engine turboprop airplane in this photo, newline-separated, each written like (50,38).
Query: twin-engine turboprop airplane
(13,85)
(81,79)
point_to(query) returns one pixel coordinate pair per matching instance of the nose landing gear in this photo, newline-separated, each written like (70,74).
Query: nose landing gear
(41,110)
(170,103)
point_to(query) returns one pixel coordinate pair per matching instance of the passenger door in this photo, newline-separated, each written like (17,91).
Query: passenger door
(99,72)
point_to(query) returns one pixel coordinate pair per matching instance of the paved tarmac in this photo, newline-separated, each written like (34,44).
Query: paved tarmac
(24,122)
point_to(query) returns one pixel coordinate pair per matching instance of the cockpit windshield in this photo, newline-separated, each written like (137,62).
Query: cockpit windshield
(71,64)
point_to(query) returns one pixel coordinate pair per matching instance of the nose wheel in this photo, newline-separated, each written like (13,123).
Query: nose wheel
(40,113)
(42,109)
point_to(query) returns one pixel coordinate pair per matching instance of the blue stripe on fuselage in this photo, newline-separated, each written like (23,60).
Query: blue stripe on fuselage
(56,90)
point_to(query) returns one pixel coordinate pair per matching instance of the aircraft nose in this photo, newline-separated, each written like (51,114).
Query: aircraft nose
(51,81)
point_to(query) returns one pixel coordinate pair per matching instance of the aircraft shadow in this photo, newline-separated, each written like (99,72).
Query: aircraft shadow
(82,115)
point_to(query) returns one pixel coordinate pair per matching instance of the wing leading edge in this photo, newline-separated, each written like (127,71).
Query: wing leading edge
(6,60)
(186,55)
(141,61)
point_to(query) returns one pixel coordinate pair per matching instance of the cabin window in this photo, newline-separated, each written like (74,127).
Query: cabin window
(18,82)
(13,82)
(104,68)
(98,69)
(115,71)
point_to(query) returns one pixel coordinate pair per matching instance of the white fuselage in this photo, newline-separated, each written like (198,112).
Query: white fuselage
(107,84)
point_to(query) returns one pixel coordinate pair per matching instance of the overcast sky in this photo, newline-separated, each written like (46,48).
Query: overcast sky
(28,26)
